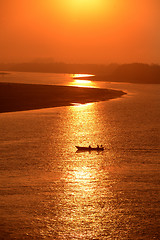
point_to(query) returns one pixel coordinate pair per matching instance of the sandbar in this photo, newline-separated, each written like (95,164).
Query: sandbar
(22,97)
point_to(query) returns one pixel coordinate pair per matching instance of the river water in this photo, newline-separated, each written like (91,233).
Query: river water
(50,191)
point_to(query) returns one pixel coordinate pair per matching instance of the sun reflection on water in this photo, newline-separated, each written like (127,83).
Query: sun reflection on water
(83,194)
(80,81)
(83,176)
(85,199)
(84,124)
(81,75)
(84,208)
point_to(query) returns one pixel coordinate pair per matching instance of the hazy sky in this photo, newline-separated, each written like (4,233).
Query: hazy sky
(80,31)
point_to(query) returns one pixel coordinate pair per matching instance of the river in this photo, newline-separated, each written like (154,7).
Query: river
(50,191)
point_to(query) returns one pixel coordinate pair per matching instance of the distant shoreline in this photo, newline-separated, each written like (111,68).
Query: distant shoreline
(23,97)
(129,73)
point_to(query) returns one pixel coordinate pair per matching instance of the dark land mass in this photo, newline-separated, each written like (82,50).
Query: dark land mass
(21,97)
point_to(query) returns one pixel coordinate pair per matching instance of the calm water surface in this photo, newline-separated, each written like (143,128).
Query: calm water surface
(50,191)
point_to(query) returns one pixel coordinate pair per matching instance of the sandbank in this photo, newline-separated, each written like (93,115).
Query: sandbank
(22,97)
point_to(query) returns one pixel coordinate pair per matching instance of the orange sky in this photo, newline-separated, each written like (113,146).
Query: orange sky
(80,31)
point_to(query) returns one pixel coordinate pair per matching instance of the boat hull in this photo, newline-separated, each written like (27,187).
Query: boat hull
(89,148)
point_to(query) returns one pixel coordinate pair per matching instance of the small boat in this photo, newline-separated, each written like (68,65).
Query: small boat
(90,148)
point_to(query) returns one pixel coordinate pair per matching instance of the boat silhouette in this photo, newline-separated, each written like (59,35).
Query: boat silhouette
(90,148)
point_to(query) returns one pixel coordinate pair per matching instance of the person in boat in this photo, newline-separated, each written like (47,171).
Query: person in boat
(89,146)
(97,146)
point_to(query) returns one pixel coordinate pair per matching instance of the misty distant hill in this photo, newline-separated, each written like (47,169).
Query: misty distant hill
(136,73)
(132,73)
(59,68)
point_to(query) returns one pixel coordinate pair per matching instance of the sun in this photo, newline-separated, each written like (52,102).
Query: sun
(85,3)
(85,6)
(81,12)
